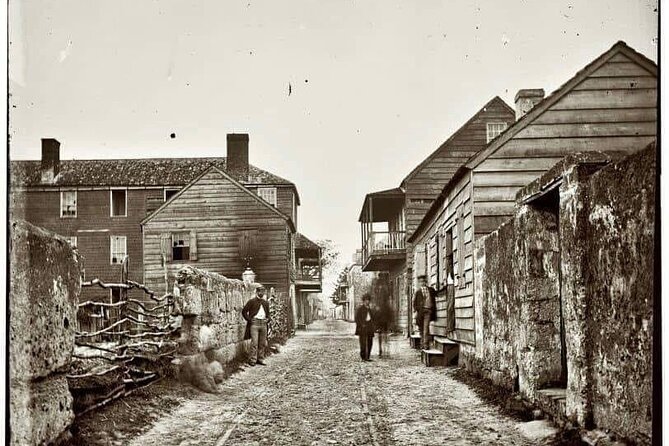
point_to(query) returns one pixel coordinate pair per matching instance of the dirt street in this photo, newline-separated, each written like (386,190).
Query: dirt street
(317,391)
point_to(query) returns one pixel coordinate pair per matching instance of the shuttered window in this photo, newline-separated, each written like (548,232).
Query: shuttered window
(118,248)
(462,282)
(182,246)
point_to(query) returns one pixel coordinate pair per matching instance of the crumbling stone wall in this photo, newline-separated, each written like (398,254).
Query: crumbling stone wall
(580,256)
(212,327)
(620,283)
(44,292)
(517,301)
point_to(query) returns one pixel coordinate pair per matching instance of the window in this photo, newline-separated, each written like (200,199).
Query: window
(494,129)
(72,240)
(268,194)
(181,246)
(68,203)
(169,193)
(118,202)
(118,249)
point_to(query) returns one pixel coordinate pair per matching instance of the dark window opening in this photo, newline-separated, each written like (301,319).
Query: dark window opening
(118,203)
(181,246)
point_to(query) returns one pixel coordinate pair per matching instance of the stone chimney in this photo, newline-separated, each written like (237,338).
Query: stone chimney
(238,156)
(50,159)
(526,99)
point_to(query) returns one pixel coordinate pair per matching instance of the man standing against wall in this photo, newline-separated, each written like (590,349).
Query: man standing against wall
(364,327)
(256,314)
(425,309)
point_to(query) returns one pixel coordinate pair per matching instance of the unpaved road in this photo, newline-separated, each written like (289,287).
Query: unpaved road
(318,392)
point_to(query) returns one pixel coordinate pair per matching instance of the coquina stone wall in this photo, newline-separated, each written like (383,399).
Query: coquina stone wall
(620,285)
(212,327)
(576,260)
(44,292)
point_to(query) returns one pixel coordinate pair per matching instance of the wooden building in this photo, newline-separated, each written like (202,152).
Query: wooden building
(609,106)
(388,216)
(308,278)
(99,204)
(218,225)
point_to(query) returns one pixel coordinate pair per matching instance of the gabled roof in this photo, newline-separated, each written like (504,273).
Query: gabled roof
(550,100)
(537,110)
(457,133)
(302,242)
(233,181)
(132,172)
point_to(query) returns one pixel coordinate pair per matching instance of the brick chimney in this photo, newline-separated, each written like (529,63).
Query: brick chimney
(50,159)
(238,156)
(526,99)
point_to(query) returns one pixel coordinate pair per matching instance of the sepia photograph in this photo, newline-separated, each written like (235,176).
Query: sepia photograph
(333,222)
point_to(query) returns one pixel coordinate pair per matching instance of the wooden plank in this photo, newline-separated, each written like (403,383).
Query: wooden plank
(516,164)
(625,69)
(465,336)
(498,193)
(598,115)
(588,130)
(506,178)
(619,57)
(464,323)
(464,302)
(552,147)
(617,83)
(588,99)
(487,224)
(492,208)
(467,312)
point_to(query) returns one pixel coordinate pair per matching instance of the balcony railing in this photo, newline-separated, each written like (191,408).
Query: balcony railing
(309,273)
(381,243)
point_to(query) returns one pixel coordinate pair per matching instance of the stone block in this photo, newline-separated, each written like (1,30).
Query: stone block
(43,297)
(190,301)
(39,411)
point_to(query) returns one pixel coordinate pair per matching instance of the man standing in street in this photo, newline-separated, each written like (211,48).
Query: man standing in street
(425,308)
(364,327)
(256,314)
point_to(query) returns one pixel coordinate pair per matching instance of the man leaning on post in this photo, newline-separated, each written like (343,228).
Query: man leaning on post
(256,314)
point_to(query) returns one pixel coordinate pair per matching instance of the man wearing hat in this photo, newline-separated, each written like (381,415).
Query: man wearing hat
(256,314)
(365,326)
(425,308)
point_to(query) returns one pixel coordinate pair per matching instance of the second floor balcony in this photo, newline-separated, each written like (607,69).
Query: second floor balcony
(308,276)
(382,227)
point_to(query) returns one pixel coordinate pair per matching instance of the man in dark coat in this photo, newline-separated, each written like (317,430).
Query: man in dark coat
(425,308)
(256,314)
(364,327)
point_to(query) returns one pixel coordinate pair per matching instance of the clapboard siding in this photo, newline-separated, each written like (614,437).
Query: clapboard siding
(459,205)
(614,109)
(216,211)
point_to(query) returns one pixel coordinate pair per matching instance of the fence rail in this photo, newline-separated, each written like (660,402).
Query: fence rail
(131,337)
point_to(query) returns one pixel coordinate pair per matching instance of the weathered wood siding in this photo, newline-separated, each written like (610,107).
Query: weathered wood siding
(455,216)
(217,211)
(429,180)
(612,110)
(285,201)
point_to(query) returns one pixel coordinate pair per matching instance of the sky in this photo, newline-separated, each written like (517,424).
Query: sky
(375,86)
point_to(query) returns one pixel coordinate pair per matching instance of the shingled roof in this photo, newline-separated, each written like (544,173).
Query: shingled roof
(130,172)
(302,242)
